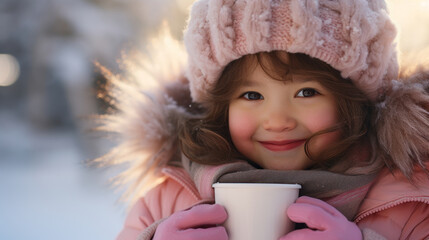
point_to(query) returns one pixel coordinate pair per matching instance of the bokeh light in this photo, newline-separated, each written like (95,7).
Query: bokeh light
(9,70)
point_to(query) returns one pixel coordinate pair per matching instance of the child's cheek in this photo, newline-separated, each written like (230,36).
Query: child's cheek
(325,119)
(241,127)
(319,123)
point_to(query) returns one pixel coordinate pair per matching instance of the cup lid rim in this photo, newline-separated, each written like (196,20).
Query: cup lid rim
(241,185)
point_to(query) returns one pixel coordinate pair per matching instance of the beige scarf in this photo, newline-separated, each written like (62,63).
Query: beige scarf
(344,192)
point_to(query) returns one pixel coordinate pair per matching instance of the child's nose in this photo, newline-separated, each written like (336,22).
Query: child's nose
(279,120)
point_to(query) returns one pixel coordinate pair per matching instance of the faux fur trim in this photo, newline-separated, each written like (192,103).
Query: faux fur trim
(402,123)
(150,100)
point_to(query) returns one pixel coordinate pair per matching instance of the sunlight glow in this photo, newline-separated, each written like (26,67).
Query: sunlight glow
(412,19)
(184,5)
(144,67)
(9,70)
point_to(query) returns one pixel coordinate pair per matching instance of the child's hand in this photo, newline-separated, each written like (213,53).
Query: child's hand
(323,220)
(199,222)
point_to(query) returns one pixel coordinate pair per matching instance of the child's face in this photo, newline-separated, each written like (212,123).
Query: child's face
(270,120)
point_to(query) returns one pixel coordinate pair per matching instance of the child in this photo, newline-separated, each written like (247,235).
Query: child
(287,91)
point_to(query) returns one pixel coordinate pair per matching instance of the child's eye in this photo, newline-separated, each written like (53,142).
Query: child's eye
(252,96)
(307,92)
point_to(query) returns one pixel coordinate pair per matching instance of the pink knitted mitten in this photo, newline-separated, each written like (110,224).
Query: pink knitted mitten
(324,221)
(199,222)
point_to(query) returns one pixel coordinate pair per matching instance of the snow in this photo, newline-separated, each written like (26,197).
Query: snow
(47,189)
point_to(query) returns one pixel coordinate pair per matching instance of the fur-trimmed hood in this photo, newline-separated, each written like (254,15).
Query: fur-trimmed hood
(152,98)
(148,101)
(402,123)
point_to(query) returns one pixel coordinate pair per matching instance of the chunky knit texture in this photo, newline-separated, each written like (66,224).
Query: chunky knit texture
(355,37)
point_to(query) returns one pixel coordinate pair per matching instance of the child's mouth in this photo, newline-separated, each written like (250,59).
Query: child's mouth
(278,146)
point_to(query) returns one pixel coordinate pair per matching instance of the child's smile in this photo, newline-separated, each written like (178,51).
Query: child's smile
(270,120)
(278,146)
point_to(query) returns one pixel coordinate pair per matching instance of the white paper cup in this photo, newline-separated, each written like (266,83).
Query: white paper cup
(256,211)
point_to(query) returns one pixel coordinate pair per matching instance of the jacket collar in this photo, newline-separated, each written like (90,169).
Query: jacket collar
(393,188)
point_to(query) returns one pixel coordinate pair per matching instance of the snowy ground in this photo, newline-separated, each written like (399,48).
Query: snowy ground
(47,191)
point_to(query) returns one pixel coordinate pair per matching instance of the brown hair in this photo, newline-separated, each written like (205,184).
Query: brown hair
(205,139)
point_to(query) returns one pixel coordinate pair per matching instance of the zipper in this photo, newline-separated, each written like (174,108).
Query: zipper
(391,205)
(183,180)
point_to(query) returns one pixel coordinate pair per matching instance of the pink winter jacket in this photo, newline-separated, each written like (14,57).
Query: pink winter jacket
(393,208)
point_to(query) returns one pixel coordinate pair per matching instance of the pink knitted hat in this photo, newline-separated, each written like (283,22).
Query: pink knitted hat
(355,37)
